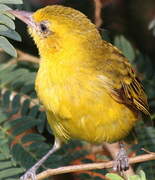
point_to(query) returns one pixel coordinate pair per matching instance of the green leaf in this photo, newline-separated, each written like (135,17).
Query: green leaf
(123,44)
(25,78)
(10,34)
(5,164)
(3,141)
(25,107)
(3,117)
(24,157)
(8,14)
(25,126)
(41,122)
(3,69)
(5,151)
(18,151)
(32,137)
(15,123)
(16,104)
(135,177)
(140,176)
(4,7)
(10,172)
(113,176)
(6,79)
(6,99)
(3,157)
(4,10)
(5,20)
(3,27)
(12,179)
(146,139)
(33,111)
(11,1)
(5,44)
(27,88)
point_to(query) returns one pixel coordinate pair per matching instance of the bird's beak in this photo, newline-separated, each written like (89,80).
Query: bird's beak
(24,16)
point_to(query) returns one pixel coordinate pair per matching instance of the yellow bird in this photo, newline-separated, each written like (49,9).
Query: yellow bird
(88,88)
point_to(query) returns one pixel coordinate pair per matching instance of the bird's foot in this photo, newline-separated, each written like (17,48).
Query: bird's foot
(122,161)
(30,174)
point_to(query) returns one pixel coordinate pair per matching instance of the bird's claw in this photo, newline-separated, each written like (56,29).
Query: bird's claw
(122,162)
(30,174)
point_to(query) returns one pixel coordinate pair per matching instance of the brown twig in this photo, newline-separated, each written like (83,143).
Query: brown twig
(147,151)
(91,166)
(22,56)
(98,8)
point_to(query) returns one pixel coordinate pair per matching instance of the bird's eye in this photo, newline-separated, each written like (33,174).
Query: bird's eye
(43,28)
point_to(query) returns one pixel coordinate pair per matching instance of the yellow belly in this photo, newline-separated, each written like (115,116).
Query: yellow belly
(95,124)
(84,111)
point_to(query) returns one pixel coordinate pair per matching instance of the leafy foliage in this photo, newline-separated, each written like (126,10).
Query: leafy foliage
(122,43)
(8,167)
(139,176)
(7,27)
(146,138)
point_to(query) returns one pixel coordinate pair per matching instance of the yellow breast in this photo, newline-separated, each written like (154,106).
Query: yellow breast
(78,107)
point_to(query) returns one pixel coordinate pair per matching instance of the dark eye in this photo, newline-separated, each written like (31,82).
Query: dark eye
(43,28)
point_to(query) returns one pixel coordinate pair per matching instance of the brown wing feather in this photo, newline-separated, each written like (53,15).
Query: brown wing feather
(125,85)
(133,94)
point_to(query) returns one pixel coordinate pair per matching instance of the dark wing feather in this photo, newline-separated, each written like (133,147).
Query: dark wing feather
(124,84)
(133,94)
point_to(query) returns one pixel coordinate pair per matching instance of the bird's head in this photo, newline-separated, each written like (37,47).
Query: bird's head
(56,28)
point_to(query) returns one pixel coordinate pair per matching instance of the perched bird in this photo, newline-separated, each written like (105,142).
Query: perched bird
(88,88)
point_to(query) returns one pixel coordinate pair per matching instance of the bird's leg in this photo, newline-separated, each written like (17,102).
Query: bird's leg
(31,173)
(121,162)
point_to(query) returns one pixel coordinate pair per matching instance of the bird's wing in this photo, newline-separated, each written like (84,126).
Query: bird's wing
(122,81)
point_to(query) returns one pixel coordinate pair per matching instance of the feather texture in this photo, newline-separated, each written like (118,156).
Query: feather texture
(125,86)
(88,88)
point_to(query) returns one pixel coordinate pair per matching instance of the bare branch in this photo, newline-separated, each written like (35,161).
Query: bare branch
(98,8)
(22,56)
(91,166)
